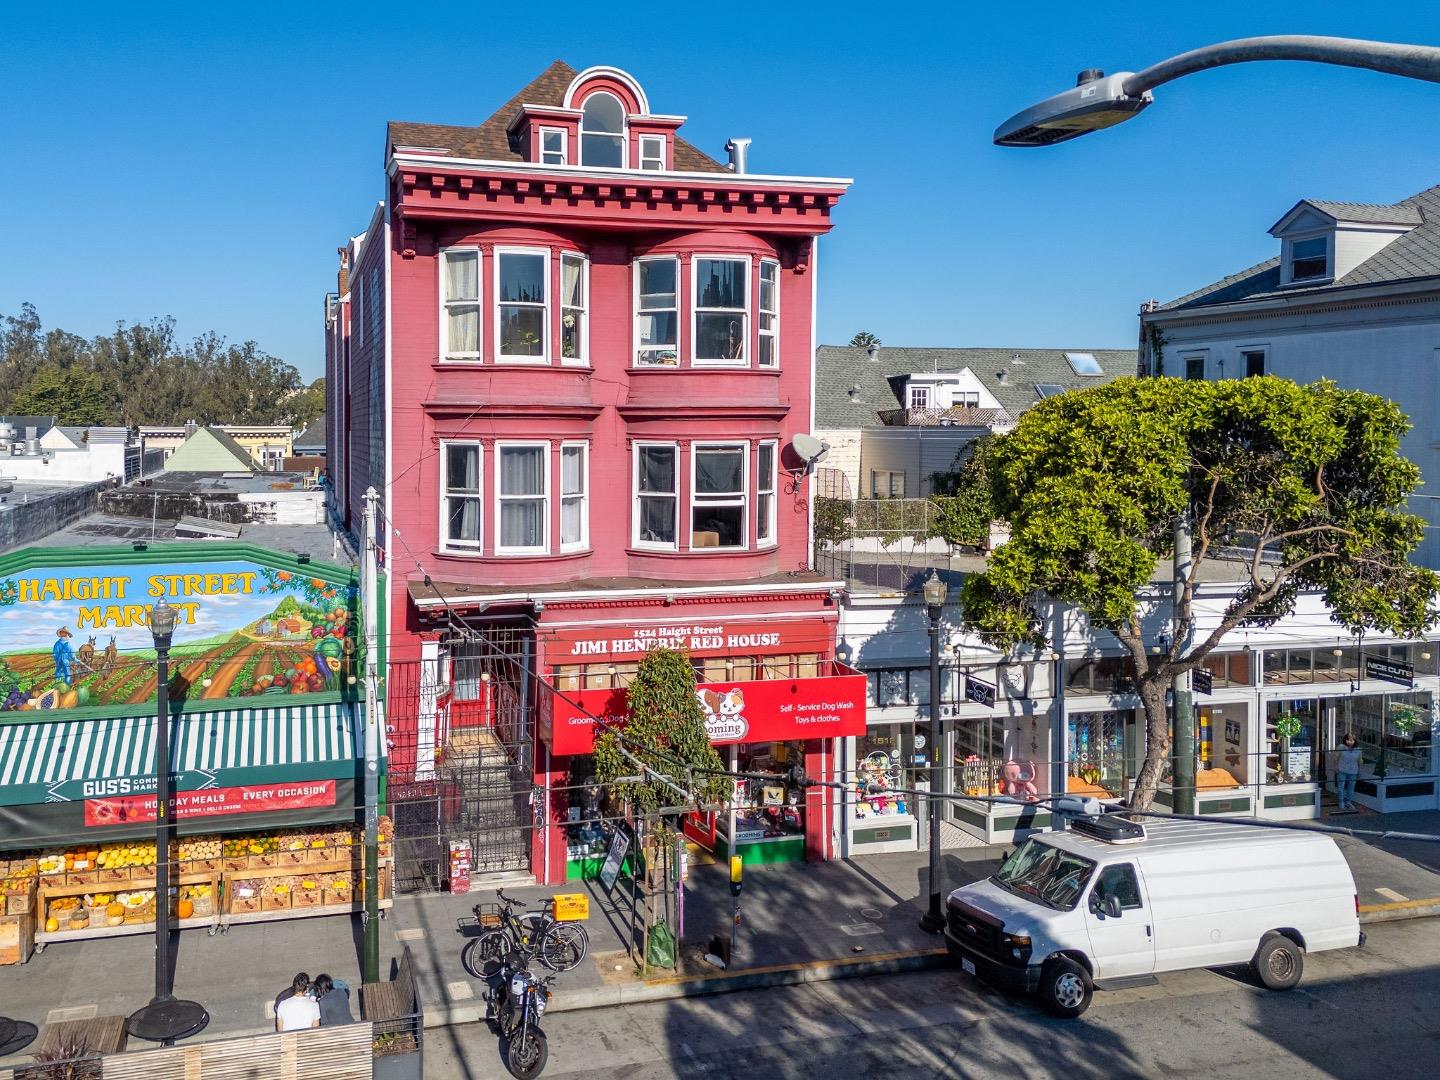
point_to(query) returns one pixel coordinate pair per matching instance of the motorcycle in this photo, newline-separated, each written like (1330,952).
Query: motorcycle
(515,1001)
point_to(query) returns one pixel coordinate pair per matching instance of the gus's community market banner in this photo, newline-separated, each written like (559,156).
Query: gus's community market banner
(79,635)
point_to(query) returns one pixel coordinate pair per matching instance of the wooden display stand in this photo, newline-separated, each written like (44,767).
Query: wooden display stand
(48,892)
(267,910)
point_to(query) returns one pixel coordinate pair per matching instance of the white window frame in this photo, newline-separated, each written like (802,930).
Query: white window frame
(696,310)
(916,391)
(445,353)
(773,266)
(1288,273)
(624,133)
(1242,359)
(730,500)
(501,357)
(652,154)
(966,399)
(889,475)
(635,307)
(636,495)
(582,360)
(762,515)
(523,444)
(564,146)
(583,497)
(471,547)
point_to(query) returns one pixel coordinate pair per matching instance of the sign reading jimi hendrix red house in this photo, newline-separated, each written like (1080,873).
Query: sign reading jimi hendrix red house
(762,710)
(729,637)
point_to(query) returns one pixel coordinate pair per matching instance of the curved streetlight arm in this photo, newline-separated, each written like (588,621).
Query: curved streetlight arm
(1409,61)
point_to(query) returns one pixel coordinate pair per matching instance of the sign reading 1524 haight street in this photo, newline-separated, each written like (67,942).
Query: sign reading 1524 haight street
(79,635)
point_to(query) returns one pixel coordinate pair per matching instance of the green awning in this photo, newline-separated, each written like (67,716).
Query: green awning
(66,760)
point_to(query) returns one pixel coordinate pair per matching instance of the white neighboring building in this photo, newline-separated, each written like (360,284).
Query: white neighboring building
(1353,295)
(65,455)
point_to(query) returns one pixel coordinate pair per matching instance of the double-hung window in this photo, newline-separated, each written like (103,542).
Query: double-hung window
(717,496)
(574,497)
(574,308)
(765,494)
(657,307)
(602,132)
(1309,258)
(552,146)
(460,300)
(522,303)
(522,486)
(657,495)
(460,496)
(769,315)
(720,310)
(652,153)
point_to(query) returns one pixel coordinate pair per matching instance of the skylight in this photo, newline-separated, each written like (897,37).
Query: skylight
(1048,389)
(1084,363)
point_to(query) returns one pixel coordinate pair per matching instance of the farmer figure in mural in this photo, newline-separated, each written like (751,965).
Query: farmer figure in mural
(63,655)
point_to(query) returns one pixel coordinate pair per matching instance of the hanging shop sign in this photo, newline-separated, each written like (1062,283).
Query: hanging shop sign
(762,710)
(979,691)
(79,635)
(1391,671)
(213,802)
(581,645)
(1202,681)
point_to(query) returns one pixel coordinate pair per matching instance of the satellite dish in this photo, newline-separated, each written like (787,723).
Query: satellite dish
(810,448)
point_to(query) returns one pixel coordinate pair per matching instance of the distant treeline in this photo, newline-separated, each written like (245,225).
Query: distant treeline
(141,375)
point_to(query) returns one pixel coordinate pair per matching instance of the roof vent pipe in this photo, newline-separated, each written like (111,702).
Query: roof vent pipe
(872,351)
(1002,377)
(738,149)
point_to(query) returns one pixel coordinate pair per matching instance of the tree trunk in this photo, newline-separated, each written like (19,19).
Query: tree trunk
(1157,740)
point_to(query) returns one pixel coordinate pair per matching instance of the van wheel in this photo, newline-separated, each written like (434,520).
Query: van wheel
(1278,962)
(1065,988)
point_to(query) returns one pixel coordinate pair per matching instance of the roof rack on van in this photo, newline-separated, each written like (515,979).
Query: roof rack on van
(1111,828)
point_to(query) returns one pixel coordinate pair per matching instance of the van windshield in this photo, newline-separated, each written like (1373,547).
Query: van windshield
(1040,872)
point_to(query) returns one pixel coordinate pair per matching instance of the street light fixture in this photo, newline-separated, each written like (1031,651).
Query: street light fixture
(1098,101)
(934,592)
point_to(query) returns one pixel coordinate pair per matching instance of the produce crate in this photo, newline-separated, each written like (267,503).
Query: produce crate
(275,902)
(572,907)
(335,895)
(244,905)
(305,898)
(17,938)
(298,857)
(21,903)
(234,863)
(113,875)
(263,862)
(83,877)
(315,856)
(203,866)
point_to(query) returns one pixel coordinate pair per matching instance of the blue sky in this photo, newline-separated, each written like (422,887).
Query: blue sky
(205,162)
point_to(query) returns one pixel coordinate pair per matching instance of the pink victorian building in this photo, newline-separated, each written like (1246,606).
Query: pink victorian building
(572,353)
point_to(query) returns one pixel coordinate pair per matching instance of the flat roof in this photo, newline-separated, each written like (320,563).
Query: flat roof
(222,482)
(111,530)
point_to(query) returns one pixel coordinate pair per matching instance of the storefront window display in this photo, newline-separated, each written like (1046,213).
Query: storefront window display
(1291,736)
(1096,760)
(1090,675)
(765,810)
(1228,669)
(887,762)
(1003,756)
(1395,731)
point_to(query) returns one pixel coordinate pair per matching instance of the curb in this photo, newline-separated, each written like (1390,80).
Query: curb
(763,978)
(1401,909)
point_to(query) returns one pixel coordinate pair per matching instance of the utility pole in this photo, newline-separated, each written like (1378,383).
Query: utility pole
(1183,784)
(369,576)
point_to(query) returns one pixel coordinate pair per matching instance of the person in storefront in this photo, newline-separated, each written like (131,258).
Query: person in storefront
(298,1011)
(1347,771)
(333,1000)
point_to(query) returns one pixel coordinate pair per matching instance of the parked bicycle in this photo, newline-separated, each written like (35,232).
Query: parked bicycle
(559,945)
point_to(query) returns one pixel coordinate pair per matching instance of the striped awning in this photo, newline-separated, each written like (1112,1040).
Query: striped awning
(60,760)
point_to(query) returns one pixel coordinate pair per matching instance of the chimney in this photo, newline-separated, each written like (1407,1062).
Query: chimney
(738,149)
(190,427)
(1002,377)
(872,351)
(342,278)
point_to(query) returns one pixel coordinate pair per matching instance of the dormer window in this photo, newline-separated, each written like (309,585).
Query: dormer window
(552,146)
(652,153)
(1309,258)
(920,397)
(602,132)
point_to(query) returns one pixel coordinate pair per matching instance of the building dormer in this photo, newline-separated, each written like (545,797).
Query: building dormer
(1321,242)
(603,122)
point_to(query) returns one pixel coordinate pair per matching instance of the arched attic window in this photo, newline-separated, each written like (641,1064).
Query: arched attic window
(602,132)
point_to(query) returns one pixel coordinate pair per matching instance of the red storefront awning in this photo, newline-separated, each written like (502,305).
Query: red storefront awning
(750,711)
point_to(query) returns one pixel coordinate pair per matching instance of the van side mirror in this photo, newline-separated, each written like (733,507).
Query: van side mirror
(1112,906)
(1107,907)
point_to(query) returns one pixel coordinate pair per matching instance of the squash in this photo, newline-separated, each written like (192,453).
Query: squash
(115,908)
(52,925)
(185,908)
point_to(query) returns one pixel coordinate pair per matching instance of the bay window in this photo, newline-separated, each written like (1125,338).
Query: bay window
(720,310)
(522,304)
(765,494)
(657,495)
(460,302)
(574,497)
(522,496)
(769,315)
(460,496)
(657,296)
(717,496)
(602,132)
(574,308)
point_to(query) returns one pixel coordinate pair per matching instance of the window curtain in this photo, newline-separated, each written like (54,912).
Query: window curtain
(522,470)
(719,472)
(657,469)
(462,272)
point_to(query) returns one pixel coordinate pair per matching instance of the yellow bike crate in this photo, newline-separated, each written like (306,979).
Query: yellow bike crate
(572,907)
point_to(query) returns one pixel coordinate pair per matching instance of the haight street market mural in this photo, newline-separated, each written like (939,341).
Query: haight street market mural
(80,635)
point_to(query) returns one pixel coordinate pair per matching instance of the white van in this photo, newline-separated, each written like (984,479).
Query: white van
(1112,902)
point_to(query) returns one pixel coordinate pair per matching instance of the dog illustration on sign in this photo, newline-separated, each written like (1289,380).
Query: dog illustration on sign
(724,714)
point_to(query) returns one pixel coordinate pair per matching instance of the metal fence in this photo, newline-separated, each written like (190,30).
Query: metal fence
(887,544)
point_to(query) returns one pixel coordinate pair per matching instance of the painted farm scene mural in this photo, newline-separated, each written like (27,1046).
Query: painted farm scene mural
(79,636)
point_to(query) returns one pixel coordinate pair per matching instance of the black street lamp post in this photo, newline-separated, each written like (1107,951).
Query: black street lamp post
(935,592)
(162,629)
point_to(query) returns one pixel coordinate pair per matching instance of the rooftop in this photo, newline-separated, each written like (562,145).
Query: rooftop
(109,530)
(221,483)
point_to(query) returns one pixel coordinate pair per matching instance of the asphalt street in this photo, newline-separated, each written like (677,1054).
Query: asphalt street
(1358,1013)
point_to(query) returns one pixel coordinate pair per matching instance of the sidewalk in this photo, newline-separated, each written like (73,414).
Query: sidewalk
(801,922)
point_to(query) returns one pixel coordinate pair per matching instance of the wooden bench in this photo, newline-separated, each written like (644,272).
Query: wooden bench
(391,999)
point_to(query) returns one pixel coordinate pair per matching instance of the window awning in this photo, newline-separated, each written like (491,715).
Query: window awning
(68,760)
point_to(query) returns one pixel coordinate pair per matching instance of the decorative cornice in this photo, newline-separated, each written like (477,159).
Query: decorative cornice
(450,409)
(736,411)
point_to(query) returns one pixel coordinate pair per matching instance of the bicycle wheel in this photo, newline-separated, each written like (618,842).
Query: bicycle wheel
(491,945)
(563,946)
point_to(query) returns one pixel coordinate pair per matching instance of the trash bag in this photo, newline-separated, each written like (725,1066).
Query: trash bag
(661,950)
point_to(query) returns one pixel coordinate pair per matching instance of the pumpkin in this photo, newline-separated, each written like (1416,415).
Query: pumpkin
(185,909)
(115,908)
(52,926)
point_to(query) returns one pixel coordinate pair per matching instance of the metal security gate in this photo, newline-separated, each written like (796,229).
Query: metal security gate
(479,787)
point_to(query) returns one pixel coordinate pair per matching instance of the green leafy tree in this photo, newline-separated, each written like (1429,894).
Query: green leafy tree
(963,507)
(73,395)
(1296,487)
(863,340)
